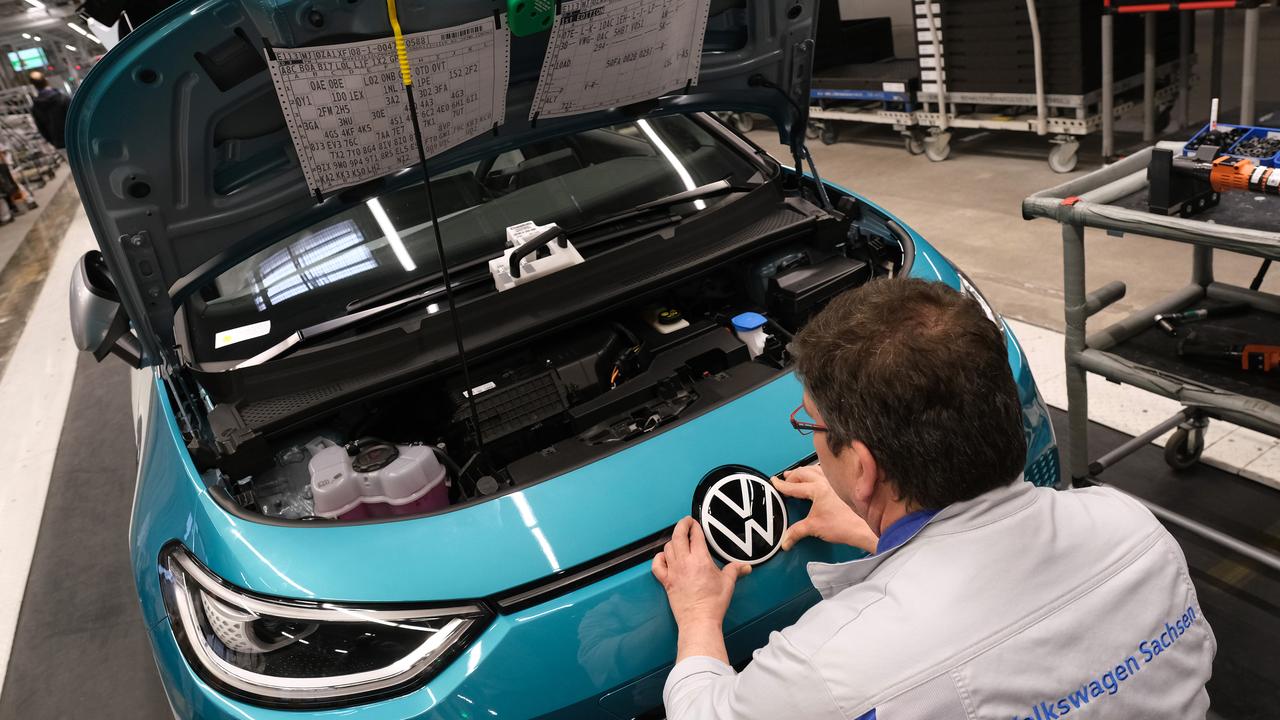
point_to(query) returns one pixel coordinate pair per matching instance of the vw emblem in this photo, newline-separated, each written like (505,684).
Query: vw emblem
(742,515)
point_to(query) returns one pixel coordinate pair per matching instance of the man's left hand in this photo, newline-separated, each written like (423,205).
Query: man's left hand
(699,592)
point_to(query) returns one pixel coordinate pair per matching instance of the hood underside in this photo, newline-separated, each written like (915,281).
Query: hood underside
(186,166)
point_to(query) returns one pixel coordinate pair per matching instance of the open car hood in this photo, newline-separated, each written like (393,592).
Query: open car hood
(185,165)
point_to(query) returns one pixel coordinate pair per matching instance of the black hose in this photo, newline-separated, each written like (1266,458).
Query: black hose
(450,466)
(777,328)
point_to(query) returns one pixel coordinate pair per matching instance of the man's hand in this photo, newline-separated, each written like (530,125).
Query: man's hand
(699,592)
(829,517)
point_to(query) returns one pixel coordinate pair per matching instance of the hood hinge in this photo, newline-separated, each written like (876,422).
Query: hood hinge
(144,269)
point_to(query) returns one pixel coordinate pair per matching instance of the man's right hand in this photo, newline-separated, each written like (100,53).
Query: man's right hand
(829,518)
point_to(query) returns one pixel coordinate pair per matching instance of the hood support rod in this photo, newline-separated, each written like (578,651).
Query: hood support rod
(405,75)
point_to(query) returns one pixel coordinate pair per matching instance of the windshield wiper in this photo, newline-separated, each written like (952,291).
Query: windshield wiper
(351,319)
(702,191)
(719,187)
(359,311)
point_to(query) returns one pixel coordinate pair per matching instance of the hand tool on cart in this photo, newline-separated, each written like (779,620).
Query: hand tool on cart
(1167,321)
(1251,357)
(1187,185)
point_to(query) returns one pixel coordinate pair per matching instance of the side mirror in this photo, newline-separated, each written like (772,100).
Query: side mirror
(98,321)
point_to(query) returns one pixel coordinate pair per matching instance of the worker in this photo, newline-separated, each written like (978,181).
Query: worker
(49,109)
(983,595)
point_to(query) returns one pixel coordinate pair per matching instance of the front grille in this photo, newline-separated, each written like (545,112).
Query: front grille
(1044,471)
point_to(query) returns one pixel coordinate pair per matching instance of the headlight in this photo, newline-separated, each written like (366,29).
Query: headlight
(295,653)
(970,290)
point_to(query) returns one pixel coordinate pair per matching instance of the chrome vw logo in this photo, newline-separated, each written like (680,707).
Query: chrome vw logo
(741,514)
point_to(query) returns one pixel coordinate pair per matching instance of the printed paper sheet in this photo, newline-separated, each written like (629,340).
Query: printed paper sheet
(607,53)
(347,111)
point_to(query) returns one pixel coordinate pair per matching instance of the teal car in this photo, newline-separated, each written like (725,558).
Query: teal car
(368,488)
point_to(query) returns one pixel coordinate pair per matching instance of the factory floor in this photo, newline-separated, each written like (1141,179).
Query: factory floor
(71,635)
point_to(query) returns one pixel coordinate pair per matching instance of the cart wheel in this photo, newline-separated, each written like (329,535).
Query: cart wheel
(1064,157)
(1184,447)
(913,143)
(830,133)
(812,130)
(938,147)
(743,122)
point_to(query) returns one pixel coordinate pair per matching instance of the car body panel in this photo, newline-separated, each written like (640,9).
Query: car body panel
(154,182)
(598,650)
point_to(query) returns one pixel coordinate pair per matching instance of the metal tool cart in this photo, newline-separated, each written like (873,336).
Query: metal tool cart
(881,92)
(1153,118)
(1010,91)
(1135,351)
(1062,105)
(30,159)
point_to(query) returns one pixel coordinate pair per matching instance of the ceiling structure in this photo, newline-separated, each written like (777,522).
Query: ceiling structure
(50,23)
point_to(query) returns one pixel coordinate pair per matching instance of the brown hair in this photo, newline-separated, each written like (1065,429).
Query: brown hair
(920,375)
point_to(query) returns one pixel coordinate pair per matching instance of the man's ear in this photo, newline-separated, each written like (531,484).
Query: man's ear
(866,474)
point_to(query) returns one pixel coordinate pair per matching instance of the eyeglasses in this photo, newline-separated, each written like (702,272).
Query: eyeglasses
(804,427)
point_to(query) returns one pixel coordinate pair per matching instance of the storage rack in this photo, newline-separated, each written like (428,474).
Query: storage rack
(1133,351)
(1149,11)
(1063,117)
(32,161)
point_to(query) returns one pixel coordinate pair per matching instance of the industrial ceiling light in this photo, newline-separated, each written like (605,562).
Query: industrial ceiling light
(72,48)
(36,4)
(84,32)
(36,38)
(26,36)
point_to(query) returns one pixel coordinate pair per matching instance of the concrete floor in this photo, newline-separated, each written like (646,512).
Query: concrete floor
(969,205)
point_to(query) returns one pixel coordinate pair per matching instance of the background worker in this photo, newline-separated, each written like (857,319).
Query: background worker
(49,109)
(984,595)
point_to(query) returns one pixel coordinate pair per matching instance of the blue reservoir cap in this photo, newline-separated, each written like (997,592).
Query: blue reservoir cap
(748,321)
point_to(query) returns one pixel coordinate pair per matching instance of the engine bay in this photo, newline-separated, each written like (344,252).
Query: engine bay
(571,396)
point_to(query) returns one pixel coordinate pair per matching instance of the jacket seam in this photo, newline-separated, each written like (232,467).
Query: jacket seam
(808,661)
(966,702)
(961,658)
(919,538)
(1036,498)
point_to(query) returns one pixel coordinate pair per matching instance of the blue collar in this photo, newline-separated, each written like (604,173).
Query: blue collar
(902,529)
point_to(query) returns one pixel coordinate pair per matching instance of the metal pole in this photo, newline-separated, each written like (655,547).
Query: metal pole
(1108,85)
(1185,18)
(1202,265)
(936,46)
(1148,77)
(1037,51)
(1135,444)
(1215,72)
(1249,72)
(1077,389)
(1253,553)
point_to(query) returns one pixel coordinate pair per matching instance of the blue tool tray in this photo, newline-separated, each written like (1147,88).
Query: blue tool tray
(1240,138)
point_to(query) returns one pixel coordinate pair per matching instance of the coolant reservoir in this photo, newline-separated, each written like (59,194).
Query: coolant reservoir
(381,480)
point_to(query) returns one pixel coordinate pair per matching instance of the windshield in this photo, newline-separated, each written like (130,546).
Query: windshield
(571,180)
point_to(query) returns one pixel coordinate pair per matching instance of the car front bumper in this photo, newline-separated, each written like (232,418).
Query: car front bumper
(601,651)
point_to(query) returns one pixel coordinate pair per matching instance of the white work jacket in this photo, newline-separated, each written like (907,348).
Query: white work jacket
(1024,603)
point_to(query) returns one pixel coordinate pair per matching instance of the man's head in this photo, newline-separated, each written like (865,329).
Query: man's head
(37,79)
(912,381)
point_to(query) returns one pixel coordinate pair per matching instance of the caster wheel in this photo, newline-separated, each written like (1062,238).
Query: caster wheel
(830,134)
(913,144)
(744,122)
(938,147)
(1064,158)
(1184,448)
(812,131)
